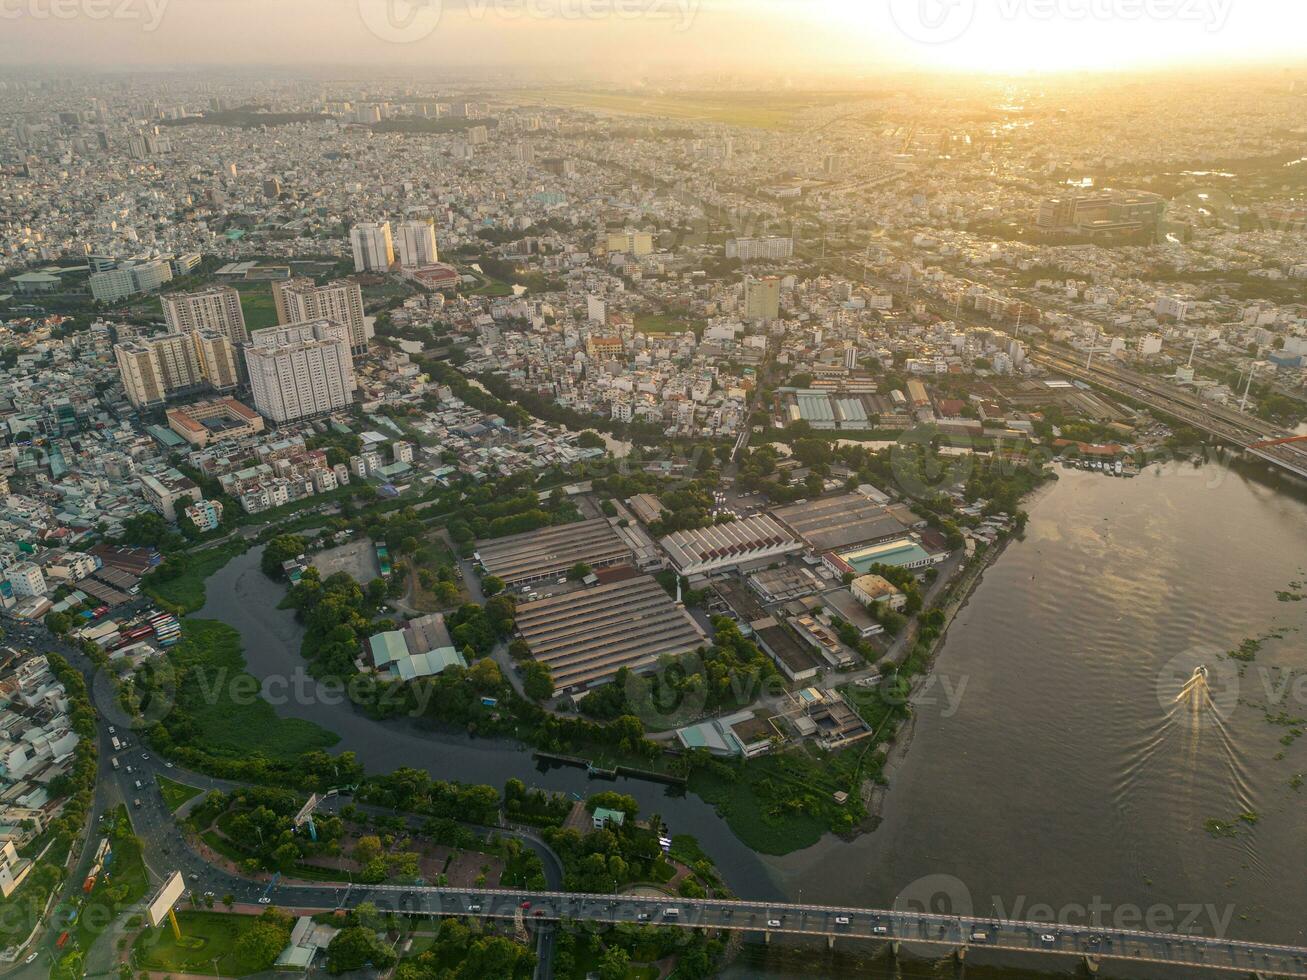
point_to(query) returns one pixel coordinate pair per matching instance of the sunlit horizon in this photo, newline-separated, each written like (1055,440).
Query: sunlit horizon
(631,39)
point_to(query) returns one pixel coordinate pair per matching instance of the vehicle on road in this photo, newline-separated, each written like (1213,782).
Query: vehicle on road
(642,917)
(1048,939)
(841,920)
(671,913)
(525,905)
(880,930)
(31,957)
(773,923)
(474,908)
(137,803)
(265,900)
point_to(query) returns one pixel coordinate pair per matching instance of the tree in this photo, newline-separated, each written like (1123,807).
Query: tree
(492,585)
(589,439)
(614,963)
(280,549)
(578,571)
(537,680)
(355,947)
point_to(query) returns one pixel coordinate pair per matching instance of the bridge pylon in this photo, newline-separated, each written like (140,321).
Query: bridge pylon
(1091,962)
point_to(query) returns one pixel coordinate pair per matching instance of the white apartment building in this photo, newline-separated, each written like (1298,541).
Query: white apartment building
(301,369)
(216,308)
(300,300)
(771,248)
(27,579)
(417,244)
(374,250)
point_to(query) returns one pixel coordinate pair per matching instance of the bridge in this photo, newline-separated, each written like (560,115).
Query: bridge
(1257,438)
(896,928)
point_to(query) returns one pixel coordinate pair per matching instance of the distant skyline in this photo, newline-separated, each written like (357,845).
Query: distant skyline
(632,38)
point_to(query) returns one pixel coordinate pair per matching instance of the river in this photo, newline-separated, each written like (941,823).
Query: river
(1050,764)
(240,595)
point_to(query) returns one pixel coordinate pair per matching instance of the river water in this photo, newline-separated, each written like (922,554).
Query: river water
(1050,763)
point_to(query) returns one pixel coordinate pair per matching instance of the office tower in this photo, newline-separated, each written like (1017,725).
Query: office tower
(762,298)
(373,249)
(298,300)
(300,369)
(417,243)
(216,308)
(636,242)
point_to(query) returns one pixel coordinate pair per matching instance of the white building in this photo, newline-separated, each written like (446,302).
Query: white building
(771,248)
(417,244)
(301,369)
(374,251)
(26,579)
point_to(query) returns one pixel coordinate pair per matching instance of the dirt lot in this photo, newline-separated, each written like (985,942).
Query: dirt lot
(358,558)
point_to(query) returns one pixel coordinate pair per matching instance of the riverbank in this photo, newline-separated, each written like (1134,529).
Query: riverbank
(901,741)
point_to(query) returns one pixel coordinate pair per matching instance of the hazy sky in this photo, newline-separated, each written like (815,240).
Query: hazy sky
(630,37)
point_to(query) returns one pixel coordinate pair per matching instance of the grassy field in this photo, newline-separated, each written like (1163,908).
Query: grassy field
(176,794)
(257,305)
(228,719)
(206,936)
(663,323)
(755,110)
(185,593)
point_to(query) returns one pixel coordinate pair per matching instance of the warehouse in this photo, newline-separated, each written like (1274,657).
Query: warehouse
(727,546)
(550,552)
(585,637)
(845,521)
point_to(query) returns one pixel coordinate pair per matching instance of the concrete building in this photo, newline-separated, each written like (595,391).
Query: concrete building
(216,308)
(374,251)
(637,243)
(771,248)
(417,244)
(300,370)
(212,421)
(871,589)
(113,285)
(153,369)
(762,298)
(300,300)
(164,491)
(26,578)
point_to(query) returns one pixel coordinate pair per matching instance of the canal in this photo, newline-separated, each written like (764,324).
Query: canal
(1051,768)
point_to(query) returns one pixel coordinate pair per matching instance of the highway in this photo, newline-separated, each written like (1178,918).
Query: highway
(1221,421)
